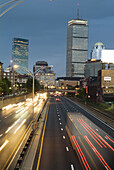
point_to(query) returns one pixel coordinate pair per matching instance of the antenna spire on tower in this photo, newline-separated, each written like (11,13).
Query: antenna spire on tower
(78,10)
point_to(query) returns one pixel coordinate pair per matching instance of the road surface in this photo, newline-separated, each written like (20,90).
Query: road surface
(93,147)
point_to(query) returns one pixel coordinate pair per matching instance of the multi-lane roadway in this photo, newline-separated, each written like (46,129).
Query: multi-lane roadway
(84,142)
(14,121)
(91,148)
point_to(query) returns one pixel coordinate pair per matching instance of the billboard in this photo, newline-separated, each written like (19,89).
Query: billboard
(107,78)
(107,56)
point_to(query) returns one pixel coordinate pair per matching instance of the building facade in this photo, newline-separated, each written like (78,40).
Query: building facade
(106,85)
(11,75)
(92,67)
(101,59)
(22,79)
(77,48)
(68,82)
(44,74)
(20,54)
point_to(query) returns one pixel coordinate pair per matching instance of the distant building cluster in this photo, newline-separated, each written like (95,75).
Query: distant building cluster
(44,74)
(99,73)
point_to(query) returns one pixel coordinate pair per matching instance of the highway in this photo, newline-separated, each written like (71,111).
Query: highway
(92,147)
(73,137)
(14,121)
(57,151)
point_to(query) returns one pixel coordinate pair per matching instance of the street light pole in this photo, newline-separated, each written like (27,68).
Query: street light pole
(33,101)
(33,76)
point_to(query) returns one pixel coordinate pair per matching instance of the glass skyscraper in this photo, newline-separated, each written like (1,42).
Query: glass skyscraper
(20,54)
(77,48)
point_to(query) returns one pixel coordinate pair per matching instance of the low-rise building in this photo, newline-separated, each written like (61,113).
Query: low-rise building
(44,74)
(93,66)
(68,82)
(11,75)
(101,88)
(22,78)
(106,85)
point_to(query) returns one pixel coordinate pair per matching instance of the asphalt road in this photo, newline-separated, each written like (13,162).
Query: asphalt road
(94,147)
(14,121)
(57,152)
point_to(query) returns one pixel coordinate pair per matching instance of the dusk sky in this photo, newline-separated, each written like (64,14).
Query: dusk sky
(44,24)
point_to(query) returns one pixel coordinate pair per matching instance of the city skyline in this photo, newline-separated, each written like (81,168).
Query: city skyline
(44,23)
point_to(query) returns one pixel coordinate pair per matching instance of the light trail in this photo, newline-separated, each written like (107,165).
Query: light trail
(1,135)
(12,126)
(20,126)
(19,110)
(4,144)
(82,156)
(110,139)
(24,110)
(100,138)
(97,153)
(94,134)
(9,106)
(90,134)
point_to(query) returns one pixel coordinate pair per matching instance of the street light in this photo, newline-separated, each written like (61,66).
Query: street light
(33,76)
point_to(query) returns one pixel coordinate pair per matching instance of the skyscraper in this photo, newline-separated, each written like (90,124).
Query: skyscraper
(20,54)
(77,47)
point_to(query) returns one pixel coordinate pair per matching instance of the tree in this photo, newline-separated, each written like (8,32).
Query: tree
(29,85)
(5,85)
(81,93)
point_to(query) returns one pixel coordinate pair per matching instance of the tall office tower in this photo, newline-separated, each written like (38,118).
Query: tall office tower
(20,54)
(77,47)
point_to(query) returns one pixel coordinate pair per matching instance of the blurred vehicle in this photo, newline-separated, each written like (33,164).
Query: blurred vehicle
(57,99)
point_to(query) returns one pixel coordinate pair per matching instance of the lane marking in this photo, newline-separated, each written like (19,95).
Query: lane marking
(61,129)
(72,167)
(63,137)
(42,139)
(60,123)
(1,135)
(59,119)
(67,149)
